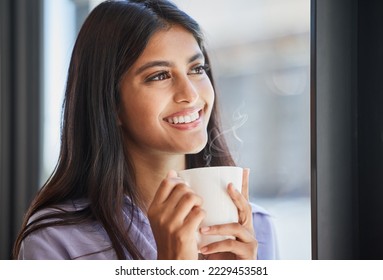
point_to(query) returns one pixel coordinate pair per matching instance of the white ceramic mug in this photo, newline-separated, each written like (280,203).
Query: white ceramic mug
(211,184)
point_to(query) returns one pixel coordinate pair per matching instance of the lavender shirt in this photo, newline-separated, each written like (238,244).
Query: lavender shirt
(90,240)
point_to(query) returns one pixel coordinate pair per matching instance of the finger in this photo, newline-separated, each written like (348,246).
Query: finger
(166,208)
(177,193)
(186,231)
(166,187)
(233,229)
(185,205)
(239,200)
(240,249)
(194,219)
(245,183)
(243,206)
(172,174)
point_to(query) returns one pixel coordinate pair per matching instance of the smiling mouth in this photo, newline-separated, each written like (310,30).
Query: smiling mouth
(188,118)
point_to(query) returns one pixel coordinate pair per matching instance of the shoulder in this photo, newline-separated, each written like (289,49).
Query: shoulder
(264,232)
(262,222)
(257,209)
(69,241)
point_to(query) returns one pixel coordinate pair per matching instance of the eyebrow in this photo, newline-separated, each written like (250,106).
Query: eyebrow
(165,63)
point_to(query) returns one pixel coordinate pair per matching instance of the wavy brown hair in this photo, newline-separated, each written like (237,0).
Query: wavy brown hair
(92,163)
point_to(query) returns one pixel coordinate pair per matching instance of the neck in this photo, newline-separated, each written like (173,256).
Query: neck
(151,170)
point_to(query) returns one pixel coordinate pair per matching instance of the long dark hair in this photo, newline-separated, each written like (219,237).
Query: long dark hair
(92,163)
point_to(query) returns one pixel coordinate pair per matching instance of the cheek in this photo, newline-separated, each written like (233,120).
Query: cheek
(140,114)
(207,93)
(129,113)
(135,116)
(207,88)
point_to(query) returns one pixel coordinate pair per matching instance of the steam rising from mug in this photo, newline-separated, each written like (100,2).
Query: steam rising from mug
(213,150)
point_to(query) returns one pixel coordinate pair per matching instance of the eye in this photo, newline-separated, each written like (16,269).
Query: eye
(199,70)
(158,77)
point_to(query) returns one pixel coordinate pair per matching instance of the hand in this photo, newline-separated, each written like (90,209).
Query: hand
(245,245)
(174,216)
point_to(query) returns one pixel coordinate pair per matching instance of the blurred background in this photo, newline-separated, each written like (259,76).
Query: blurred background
(260,52)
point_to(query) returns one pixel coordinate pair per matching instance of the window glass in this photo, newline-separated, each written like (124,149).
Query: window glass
(59,36)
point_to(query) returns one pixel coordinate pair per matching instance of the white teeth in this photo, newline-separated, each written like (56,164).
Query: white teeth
(184,119)
(187,119)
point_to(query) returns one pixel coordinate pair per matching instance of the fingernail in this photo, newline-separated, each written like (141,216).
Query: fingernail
(204,229)
(172,174)
(203,250)
(186,183)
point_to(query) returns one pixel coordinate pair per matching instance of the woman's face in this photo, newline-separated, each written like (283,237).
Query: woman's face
(166,96)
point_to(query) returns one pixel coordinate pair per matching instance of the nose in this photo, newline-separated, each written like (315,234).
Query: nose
(185,91)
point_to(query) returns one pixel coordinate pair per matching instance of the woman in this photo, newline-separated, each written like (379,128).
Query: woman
(139,105)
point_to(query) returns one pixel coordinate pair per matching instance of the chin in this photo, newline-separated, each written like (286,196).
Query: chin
(196,149)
